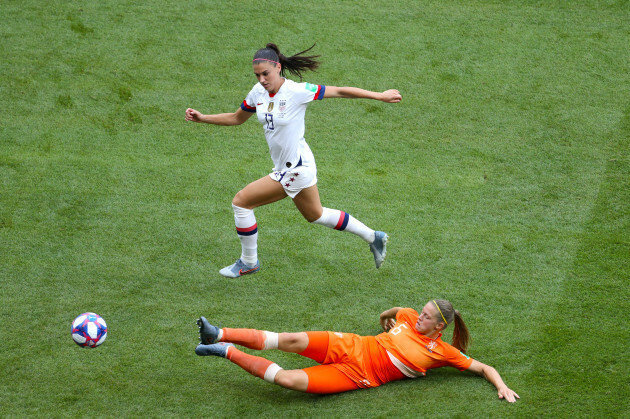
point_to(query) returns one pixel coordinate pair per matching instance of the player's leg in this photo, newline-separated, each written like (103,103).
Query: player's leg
(256,365)
(309,204)
(310,344)
(320,379)
(260,192)
(326,379)
(253,338)
(313,380)
(313,345)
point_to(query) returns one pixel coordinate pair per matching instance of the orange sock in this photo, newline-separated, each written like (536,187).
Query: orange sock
(255,365)
(249,338)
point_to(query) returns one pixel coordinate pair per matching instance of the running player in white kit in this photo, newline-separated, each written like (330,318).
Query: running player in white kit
(280,105)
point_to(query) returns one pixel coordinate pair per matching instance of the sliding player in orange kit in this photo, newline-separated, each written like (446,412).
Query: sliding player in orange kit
(410,346)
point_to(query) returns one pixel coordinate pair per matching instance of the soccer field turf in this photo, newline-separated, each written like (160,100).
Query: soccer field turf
(502,178)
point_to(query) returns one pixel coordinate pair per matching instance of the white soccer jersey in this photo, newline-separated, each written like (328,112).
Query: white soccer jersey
(282,117)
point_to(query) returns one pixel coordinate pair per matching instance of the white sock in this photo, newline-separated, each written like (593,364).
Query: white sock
(270,373)
(247,231)
(343,221)
(271,340)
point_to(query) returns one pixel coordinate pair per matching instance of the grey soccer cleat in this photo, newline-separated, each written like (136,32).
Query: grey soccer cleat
(216,349)
(207,333)
(379,247)
(239,268)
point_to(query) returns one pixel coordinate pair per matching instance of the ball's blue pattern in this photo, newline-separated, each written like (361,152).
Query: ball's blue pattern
(81,329)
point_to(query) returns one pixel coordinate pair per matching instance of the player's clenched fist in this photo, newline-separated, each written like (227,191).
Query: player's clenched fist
(193,115)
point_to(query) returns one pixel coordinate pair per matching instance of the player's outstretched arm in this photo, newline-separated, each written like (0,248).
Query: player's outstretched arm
(234,118)
(490,374)
(389,96)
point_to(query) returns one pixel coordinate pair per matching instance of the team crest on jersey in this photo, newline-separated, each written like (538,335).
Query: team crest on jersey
(431,346)
(282,106)
(270,107)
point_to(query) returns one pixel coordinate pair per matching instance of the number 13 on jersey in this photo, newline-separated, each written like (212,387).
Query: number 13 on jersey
(269,120)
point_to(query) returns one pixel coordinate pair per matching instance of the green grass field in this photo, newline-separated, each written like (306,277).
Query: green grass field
(503,180)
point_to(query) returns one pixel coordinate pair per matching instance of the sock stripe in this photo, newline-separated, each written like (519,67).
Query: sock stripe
(343,221)
(247,231)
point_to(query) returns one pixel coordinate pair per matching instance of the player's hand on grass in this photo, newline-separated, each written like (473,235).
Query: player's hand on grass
(391,96)
(507,394)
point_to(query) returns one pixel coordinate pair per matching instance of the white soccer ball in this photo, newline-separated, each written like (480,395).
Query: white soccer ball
(89,330)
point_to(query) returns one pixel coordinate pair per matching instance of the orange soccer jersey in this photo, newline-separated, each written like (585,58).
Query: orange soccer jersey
(413,353)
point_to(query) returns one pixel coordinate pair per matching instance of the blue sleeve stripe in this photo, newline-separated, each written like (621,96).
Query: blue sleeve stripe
(247,108)
(320,92)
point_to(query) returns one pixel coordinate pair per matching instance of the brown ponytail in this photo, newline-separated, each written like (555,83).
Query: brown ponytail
(295,64)
(461,335)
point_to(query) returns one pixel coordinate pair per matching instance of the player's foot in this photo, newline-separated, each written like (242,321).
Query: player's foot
(207,333)
(239,268)
(216,349)
(379,247)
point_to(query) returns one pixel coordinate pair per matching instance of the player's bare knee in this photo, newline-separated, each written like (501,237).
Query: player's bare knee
(313,214)
(288,339)
(288,379)
(284,380)
(311,217)
(291,342)
(239,200)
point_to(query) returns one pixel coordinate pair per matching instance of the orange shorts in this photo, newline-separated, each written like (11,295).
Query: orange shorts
(326,379)
(350,362)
